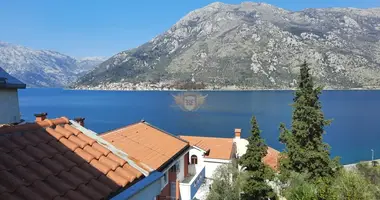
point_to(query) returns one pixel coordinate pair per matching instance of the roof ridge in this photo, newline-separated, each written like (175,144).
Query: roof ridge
(172,135)
(205,137)
(36,125)
(113,149)
(117,129)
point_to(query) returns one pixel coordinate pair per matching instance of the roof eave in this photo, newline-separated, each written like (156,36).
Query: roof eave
(12,86)
(173,158)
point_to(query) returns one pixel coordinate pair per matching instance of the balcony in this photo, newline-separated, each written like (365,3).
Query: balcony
(190,184)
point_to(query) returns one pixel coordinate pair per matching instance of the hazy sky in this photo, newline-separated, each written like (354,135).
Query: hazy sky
(104,27)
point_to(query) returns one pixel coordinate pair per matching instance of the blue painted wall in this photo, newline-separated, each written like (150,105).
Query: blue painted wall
(147,188)
(197,183)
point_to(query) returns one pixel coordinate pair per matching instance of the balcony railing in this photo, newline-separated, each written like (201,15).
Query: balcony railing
(190,185)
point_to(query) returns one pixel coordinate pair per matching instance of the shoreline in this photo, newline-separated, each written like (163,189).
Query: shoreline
(217,90)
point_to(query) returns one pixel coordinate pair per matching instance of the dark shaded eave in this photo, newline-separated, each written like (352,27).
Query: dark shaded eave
(175,157)
(13,86)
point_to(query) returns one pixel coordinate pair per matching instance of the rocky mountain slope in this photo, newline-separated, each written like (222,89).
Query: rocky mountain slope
(252,45)
(40,68)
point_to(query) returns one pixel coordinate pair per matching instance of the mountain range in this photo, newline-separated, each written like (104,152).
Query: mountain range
(251,45)
(43,68)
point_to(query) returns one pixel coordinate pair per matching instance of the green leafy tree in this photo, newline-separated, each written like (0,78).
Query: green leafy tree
(299,188)
(347,185)
(305,150)
(350,185)
(257,173)
(372,174)
(227,181)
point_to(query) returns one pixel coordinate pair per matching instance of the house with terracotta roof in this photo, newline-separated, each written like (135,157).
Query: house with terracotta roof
(9,106)
(59,159)
(162,152)
(212,152)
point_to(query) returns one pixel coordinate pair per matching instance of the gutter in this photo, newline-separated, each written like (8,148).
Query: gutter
(139,186)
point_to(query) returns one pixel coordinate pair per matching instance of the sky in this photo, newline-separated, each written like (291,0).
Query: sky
(81,28)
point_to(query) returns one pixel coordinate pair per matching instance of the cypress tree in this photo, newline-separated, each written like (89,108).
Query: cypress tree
(305,150)
(255,186)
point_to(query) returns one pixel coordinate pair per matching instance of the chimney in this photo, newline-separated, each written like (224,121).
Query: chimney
(237,133)
(80,120)
(237,142)
(40,117)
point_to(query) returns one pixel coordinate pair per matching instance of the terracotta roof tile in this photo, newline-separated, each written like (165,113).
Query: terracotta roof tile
(54,160)
(84,154)
(100,166)
(116,159)
(272,158)
(115,177)
(220,148)
(77,141)
(142,139)
(95,153)
(100,148)
(126,174)
(86,139)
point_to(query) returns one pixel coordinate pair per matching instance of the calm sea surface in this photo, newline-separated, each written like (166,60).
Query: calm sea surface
(355,129)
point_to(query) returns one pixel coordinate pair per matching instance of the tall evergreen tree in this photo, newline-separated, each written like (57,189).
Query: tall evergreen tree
(255,186)
(305,150)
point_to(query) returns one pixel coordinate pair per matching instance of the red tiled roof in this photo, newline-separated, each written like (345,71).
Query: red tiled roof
(219,148)
(146,143)
(53,160)
(272,158)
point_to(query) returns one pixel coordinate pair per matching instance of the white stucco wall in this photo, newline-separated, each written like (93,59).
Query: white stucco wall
(241,146)
(212,165)
(181,174)
(9,106)
(198,153)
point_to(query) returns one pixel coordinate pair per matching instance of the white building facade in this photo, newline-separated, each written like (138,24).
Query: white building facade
(9,104)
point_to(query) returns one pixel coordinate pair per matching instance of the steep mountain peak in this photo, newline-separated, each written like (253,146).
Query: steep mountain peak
(216,5)
(41,68)
(253,45)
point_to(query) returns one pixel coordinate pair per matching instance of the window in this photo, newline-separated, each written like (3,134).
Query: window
(164,180)
(175,167)
(194,159)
